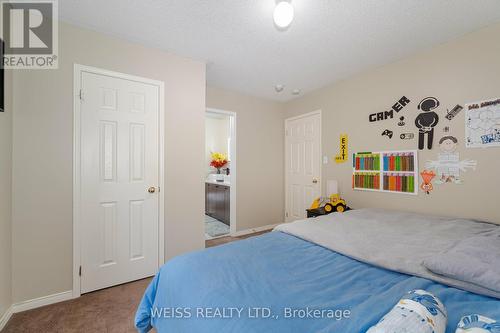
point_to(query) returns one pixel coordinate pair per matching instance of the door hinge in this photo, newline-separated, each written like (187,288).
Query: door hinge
(80,271)
(81,94)
(286,214)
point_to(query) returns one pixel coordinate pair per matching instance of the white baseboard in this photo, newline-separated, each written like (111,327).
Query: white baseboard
(42,301)
(254,230)
(6,316)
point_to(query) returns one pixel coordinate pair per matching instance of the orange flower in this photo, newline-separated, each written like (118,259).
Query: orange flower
(219,160)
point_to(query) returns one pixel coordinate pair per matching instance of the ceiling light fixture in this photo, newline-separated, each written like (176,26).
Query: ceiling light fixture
(279,88)
(296,92)
(283,14)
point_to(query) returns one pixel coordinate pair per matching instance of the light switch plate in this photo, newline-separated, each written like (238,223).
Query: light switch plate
(325,159)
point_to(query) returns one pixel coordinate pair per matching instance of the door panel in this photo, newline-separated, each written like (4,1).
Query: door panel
(120,161)
(302,150)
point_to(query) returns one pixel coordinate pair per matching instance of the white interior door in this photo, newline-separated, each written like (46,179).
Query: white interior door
(119,164)
(302,154)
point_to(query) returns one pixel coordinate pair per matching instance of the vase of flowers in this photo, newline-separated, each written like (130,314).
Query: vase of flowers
(219,160)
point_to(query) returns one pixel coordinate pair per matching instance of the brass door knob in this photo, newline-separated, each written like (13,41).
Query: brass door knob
(152,189)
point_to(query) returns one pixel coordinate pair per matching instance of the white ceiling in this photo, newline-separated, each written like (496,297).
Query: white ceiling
(329,39)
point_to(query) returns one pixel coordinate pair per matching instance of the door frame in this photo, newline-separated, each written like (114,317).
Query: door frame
(77,75)
(287,120)
(232,193)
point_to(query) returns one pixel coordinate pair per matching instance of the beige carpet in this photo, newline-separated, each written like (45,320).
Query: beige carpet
(110,310)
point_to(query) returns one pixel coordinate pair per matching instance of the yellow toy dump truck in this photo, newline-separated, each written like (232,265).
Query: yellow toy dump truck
(332,204)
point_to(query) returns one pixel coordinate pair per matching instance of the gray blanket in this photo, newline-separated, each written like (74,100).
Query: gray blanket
(475,260)
(393,240)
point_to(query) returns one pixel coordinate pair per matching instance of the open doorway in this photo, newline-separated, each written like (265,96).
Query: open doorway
(220,181)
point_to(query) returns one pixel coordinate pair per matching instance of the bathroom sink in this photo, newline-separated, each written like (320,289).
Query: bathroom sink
(212,178)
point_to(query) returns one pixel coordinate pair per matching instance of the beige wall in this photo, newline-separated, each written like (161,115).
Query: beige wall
(464,70)
(43,155)
(5,197)
(259,153)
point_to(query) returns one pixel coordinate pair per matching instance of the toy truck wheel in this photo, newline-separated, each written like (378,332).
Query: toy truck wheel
(340,208)
(328,208)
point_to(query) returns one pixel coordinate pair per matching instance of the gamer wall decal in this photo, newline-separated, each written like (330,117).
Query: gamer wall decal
(407,136)
(456,110)
(482,124)
(384,115)
(343,154)
(426,121)
(386,171)
(448,165)
(388,133)
(427,177)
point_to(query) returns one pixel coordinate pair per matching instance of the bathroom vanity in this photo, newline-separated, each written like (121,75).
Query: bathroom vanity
(217,200)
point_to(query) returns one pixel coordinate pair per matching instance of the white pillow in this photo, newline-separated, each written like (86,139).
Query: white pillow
(477,324)
(418,312)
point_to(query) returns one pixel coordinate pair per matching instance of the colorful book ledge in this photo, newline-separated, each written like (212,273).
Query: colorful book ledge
(386,171)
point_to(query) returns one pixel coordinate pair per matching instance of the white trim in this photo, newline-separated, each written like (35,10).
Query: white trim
(78,70)
(42,301)
(317,112)
(304,115)
(76,179)
(33,304)
(161,178)
(232,194)
(4,319)
(254,230)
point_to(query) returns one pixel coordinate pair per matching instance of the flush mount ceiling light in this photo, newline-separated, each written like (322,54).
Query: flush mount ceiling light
(279,88)
(283,14)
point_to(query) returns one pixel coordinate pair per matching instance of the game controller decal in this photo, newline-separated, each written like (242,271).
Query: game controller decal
(401,121)
(407,136)
(456,110)
(388,133)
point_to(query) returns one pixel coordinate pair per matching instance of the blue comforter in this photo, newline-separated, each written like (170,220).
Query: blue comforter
(274,282)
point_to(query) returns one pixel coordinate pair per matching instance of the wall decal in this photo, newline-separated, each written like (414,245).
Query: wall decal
(427,177)
(386,171)
(401,121)
(343,155)
(456,110)
(407,136)
(396,107)
(448,165)
(446,129)
(388,133)
(482,124)
(426,121)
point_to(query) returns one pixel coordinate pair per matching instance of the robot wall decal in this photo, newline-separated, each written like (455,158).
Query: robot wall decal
(448,165)
(426,121)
